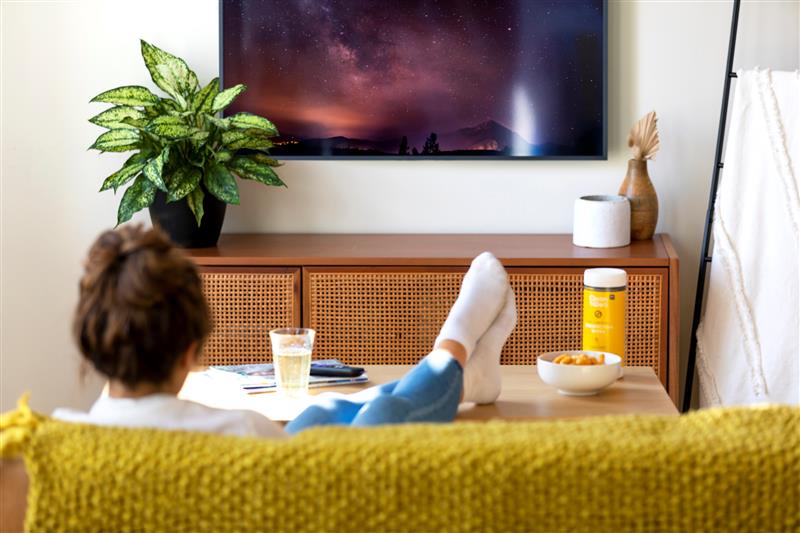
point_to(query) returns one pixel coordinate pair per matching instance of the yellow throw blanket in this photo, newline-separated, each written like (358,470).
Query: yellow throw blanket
(715,470)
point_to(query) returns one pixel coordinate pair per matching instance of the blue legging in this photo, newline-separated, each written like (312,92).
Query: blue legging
(429,392)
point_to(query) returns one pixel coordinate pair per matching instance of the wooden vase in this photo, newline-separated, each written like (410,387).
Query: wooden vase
(644,201)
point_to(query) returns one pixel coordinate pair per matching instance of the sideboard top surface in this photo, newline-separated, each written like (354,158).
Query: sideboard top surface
(555,250)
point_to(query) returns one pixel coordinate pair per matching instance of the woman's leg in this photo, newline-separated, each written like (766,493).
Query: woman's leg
(337,409)
(430,392)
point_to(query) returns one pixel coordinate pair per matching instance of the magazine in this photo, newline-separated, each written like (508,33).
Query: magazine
(260,377)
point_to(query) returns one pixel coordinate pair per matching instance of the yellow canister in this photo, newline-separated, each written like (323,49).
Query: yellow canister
(604,302)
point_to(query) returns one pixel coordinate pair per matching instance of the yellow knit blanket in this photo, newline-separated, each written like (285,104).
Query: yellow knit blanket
(715,470)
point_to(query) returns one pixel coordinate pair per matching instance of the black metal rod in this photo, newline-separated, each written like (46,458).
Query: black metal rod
(704,257)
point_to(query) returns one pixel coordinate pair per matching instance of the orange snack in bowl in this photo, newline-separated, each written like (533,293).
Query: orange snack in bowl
(580,359)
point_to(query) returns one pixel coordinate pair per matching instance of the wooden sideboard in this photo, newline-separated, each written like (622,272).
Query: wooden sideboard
(381,299)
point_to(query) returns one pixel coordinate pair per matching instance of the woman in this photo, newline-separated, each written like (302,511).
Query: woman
(141,321)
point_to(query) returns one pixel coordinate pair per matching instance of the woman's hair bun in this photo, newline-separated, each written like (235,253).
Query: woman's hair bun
(104,256)
(140,306)
(112,247)
(111,250)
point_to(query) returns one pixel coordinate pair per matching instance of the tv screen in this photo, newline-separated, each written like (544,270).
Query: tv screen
(459,79)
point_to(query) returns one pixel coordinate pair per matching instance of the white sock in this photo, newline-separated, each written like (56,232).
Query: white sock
(482,294)
(482,381)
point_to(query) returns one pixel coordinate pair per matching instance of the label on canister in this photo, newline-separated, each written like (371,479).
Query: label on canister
(604,320)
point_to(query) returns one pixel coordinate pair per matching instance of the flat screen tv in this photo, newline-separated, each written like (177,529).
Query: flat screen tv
(416,79)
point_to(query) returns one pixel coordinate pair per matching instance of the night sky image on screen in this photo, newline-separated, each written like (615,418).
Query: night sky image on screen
(426,78)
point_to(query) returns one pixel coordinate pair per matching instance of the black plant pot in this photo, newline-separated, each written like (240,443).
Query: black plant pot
(178,221)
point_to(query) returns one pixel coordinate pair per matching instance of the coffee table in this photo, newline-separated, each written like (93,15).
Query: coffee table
(524,396)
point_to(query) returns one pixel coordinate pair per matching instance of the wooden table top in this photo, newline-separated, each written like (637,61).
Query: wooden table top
(276,249)
(524,396)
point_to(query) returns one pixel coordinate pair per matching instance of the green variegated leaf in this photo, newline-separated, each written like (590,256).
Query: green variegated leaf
(246,168)
(230,137)
(234,140)
(199,136)
(167,106)
(170,73)
(205,98)
(195,201)
(153,170)
(264,159)
(226,97)
(113,118)
(182,182)
(174,93)
(253,124)
(221,123)
(139,157)
(223,155)
(117,140)
(137,123)
(197,140)
(222,184)
(132,167)
(138,196)
(121,177)
(128,95)
(170,127)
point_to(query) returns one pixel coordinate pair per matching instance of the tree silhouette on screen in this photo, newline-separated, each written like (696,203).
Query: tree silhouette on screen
(431,145)
(403,146)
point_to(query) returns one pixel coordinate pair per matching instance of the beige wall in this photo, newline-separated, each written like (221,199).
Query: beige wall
(663,55)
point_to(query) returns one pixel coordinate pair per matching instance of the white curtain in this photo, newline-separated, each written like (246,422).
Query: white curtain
(749,338)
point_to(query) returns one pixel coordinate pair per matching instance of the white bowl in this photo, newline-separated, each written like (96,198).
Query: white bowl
(577,380)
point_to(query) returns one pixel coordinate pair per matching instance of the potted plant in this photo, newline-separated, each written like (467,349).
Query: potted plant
(186,158)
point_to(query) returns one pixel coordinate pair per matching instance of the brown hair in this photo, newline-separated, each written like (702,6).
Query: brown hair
(140,307)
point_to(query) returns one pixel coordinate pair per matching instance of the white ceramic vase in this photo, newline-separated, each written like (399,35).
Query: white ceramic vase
(601,222)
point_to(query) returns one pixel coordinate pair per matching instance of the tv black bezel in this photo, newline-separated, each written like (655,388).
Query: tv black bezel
(600,157)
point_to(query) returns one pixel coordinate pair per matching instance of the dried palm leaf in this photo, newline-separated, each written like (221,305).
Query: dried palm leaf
(643,137)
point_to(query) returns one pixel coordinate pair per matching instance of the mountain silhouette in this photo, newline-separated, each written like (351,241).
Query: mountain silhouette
(488,135)
(347,143)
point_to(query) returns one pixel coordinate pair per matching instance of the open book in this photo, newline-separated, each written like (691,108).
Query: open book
(260,377)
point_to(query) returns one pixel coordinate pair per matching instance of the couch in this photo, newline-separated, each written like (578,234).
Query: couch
(734,469)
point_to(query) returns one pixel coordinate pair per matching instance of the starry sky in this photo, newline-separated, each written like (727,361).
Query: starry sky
(381,69)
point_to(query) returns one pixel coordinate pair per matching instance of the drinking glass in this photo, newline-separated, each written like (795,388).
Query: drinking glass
(291,356)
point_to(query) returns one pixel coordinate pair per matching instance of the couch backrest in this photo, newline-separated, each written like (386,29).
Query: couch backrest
(715,470)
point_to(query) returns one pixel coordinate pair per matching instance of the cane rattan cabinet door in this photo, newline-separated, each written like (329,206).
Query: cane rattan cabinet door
(245,304)
(550,315)
(376,315)
(386,315)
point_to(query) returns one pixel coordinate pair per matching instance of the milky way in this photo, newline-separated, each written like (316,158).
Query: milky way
(381,69)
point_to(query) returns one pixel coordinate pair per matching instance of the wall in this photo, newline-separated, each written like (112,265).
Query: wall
(667,56)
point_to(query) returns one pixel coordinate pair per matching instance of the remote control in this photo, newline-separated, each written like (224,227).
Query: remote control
(338,372)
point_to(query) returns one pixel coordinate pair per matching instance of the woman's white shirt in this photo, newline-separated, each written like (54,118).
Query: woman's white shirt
(165,411)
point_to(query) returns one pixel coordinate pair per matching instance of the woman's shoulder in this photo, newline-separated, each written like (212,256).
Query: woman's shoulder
(169,412)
